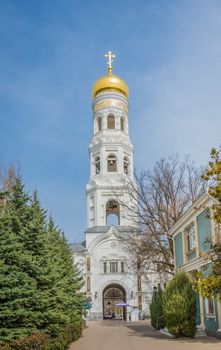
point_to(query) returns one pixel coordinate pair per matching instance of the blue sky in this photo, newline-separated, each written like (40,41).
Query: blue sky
(51,52)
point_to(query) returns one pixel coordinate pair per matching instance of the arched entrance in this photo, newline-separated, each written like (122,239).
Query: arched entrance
(113,295)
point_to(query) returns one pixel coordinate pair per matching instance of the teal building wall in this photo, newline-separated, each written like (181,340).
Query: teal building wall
(179,250)
(204,230)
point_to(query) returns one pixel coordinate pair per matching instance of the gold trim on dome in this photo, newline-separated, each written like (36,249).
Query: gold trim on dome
(110,103)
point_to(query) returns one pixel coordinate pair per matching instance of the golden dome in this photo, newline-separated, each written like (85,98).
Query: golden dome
(110,82)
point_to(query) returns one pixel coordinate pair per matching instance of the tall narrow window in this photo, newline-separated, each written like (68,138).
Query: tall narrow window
(122,123)
(97,165)
(111,163)
(122,266)
(88,264)
(139,283)
(140,302)
(105,267)
(113,267)
(211,307)
(88,284)
(99,126)
(111,122)
(126,165)
(191,237)
(112,213)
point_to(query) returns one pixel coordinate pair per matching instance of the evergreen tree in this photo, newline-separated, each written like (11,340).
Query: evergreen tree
(39,284)
(37,243)
(156,309)
(17,286)
(67,281)
(179,306)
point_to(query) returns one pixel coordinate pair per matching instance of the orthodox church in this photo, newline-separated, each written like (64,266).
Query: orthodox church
(116,288)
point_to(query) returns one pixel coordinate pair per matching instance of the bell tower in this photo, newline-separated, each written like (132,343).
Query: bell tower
(111,153)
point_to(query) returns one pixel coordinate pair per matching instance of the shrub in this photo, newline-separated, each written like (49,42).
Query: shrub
(179,306)
(42,341)
(156,310)
(4,346)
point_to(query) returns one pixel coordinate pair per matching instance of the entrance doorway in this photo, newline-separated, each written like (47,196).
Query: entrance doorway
(112,296)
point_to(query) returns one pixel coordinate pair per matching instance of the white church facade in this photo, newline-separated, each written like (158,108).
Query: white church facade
(116,287)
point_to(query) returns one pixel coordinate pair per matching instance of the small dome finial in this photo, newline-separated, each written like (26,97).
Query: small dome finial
(110,55)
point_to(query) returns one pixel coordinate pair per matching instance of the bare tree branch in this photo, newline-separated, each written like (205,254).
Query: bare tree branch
(161,196)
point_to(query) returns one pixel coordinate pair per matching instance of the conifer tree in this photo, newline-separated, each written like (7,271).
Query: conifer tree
(39,284)
(156,309)
(179,306)
(69,299)
(17,286)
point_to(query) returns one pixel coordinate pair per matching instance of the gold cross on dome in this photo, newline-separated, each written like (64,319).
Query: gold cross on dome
(110,55)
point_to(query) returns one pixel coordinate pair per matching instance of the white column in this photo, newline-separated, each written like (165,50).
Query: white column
(202,322)
(219,316)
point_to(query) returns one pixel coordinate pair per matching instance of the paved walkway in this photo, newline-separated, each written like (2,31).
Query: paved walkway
(114,335)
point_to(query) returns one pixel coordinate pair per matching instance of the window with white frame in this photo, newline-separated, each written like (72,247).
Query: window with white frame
(210,309)
(191,239)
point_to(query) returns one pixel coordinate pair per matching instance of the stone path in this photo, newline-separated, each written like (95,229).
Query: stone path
(114,335)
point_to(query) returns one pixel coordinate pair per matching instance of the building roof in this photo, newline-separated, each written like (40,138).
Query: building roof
(194,208)
(104,229)
(78,246)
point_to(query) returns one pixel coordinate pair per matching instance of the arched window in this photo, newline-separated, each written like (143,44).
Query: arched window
(112,213)
(122,123)
(112,163)
(97,165)
(99,126)
(126,165)
(111,122)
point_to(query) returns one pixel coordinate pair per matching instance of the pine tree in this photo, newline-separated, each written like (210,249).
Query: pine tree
(39,284)
(179,306)
(156,309)
(36,242)
(66,279)
(17,286)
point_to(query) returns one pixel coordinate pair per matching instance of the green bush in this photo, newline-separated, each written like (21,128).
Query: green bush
(42,341)
(179,306)
(156,310)
(4,346)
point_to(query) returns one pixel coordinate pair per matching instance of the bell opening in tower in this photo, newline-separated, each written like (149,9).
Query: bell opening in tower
(112,213)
